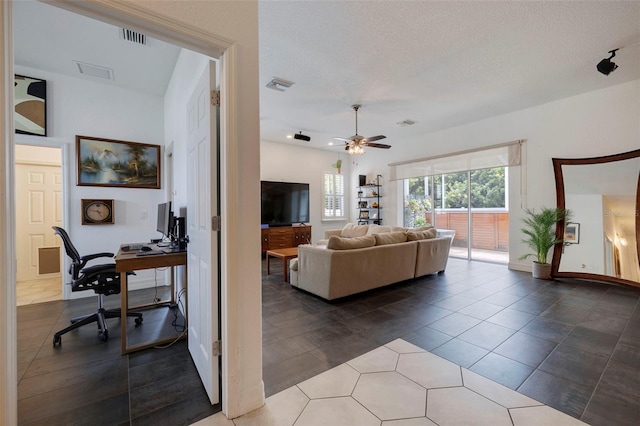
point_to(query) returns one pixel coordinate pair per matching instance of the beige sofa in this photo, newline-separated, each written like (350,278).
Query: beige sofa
(333,273)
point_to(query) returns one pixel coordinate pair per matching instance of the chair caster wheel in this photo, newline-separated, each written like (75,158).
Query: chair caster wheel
(103,336)
(138,321)
(57,340)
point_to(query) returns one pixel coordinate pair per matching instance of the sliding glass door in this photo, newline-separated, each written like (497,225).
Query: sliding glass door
(471,203)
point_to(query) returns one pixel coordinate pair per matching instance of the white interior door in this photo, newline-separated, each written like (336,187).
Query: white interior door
(202,187)
(39,207)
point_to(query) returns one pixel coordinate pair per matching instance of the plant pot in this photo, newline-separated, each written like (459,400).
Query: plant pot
(541,270)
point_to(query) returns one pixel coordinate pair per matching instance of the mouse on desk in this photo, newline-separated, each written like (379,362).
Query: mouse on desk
(145,248)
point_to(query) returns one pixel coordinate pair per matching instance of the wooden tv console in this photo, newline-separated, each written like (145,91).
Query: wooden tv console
(285,236)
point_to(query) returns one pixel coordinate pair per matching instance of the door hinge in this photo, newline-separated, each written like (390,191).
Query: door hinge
(215,223)
(216,349)
(215,98)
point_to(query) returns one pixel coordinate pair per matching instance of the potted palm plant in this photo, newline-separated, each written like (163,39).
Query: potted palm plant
(540,235)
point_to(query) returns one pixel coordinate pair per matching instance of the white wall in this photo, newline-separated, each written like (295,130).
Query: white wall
(290,163)
(78,106)
(601,122)
(588,255)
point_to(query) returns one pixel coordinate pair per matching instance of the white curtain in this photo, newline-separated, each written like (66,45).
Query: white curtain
(506,154)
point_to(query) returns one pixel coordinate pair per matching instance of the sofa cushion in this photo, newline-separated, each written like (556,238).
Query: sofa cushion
(421,235)
(390,238)
(342,243)
(293,265)
(351,230)
(377,229)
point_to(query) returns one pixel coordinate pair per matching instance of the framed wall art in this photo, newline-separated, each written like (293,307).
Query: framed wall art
(572,233)
(109,162)
(30,107)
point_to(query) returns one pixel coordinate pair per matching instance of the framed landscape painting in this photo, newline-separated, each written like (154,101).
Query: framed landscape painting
(109,162)
(30,106)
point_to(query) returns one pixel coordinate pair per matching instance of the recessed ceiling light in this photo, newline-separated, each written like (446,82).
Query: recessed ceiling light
(289,136)
(330,143)
(405,123)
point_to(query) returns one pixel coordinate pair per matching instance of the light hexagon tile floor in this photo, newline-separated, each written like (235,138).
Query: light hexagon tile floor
(398,384)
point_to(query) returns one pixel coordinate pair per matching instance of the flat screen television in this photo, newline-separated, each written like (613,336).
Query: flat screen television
(284,203)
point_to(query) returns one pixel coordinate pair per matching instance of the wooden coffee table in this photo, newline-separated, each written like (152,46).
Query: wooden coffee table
(286,254)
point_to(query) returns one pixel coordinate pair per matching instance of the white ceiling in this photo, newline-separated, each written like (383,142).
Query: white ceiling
(440,64)
(51,39)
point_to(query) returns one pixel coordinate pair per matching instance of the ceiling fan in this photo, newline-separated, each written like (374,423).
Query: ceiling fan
(356,143)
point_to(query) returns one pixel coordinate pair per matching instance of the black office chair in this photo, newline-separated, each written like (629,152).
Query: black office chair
(102,279)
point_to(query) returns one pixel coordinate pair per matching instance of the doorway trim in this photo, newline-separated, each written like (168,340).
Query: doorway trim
(239,395)
(59,143)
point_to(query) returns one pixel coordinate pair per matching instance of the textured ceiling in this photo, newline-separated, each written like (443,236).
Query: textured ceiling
(440,64)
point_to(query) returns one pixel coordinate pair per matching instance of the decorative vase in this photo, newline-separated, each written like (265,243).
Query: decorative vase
(541,270)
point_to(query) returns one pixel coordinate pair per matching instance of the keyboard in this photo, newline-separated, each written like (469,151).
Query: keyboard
(149,253)
(132,247)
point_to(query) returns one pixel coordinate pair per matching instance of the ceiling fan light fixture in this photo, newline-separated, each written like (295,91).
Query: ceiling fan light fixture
(355,149)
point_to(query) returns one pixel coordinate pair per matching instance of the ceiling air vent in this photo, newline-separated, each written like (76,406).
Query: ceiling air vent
(405,123)
(94,70)
(133,36)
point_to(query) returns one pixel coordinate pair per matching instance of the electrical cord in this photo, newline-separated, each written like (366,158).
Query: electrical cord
(179,327)
(156,299)
(173,341)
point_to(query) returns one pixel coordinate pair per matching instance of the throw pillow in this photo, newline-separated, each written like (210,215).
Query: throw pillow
(421,235)
(341,243)
(351,230)
(390,238)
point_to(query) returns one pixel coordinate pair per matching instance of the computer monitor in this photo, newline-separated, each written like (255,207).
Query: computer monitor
(165,223)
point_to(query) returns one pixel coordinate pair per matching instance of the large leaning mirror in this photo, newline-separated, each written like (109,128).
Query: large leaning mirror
(601,237)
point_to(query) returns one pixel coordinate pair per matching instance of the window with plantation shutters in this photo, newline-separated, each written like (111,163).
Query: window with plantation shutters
(333,197)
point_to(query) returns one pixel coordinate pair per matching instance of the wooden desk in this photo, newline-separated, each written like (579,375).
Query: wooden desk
(286,254)
(127,261)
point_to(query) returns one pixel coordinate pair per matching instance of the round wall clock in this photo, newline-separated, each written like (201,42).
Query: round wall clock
(97,212)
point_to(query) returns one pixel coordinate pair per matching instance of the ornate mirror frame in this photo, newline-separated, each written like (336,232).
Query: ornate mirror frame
(561,200)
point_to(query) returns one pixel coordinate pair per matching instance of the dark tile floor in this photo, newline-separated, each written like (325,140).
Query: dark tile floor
(88,382)
(573,345)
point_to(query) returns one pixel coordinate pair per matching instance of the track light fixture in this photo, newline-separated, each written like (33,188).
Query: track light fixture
(606,66)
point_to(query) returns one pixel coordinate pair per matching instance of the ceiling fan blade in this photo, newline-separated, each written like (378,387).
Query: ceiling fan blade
(378,145)
(375,138)
(342,139)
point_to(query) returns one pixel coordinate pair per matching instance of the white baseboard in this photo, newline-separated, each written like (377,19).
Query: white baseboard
(516,266)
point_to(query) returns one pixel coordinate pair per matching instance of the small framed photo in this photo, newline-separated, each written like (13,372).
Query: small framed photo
(363,204)
(364,214)
(572,233)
